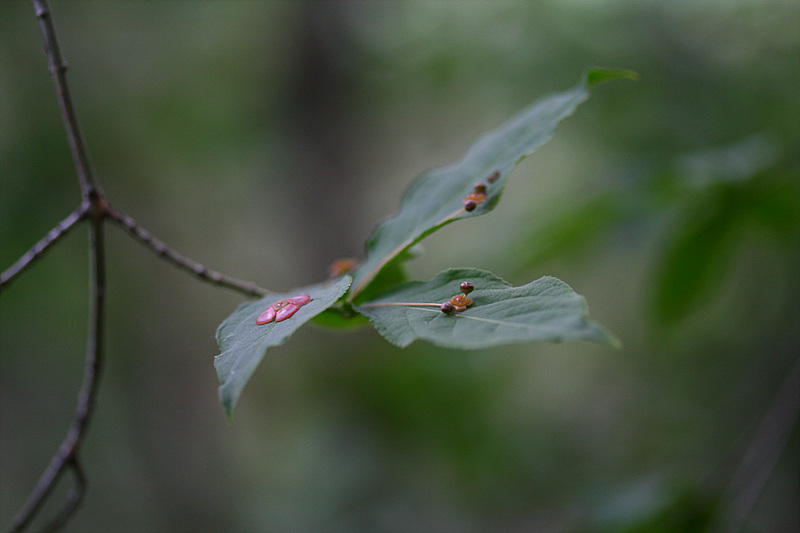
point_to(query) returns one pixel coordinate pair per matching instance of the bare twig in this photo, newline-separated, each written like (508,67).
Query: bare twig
(67,454)
(762,455)
(181,261)
(58,69)
(73,499)
(95,208)
(36,251)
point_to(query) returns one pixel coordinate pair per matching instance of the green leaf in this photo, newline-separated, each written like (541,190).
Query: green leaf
(598,75)
(436,197)
(698,255)
(243,343)
(567,232)
(735,163)
(732,187)
(340,317)
(390,275)
(344,317)
(544,310)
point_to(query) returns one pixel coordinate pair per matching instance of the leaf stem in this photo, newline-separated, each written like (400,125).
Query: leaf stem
(404,304)
(179,260)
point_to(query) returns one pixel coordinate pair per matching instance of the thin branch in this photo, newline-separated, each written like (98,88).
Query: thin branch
(96,209)
(67,454)
(763,454)
(73,499)
(38,249)
(58,70)
(181,261)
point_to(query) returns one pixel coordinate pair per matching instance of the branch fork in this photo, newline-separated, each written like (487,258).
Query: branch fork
(96,210)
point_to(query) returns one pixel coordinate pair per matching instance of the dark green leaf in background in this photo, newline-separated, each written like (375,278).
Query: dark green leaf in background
(579,227)
(731,188)
(696,258)
(544,310)
(243,343)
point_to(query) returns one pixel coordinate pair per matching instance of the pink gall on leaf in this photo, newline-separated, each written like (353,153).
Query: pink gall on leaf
(282,309)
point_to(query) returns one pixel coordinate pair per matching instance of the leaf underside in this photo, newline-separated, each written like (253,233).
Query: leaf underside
(436,197)
(243,343)
(544,310)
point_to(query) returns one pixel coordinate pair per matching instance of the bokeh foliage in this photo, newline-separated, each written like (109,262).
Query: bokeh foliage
(266,139)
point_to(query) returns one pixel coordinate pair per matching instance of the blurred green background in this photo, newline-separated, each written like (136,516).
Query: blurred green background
(266,139)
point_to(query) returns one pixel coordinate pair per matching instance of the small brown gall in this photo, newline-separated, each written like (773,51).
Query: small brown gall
(475,197)
(470,205)
(448,308)
(460,302)
(479,188)
(494,176)
(467,287)
(342,266)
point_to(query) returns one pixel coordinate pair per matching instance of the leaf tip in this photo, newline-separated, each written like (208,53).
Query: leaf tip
(597,75)
(605,336)
(228,405)
(613,341)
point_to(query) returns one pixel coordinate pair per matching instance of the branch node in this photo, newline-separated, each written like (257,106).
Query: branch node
(97,205)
